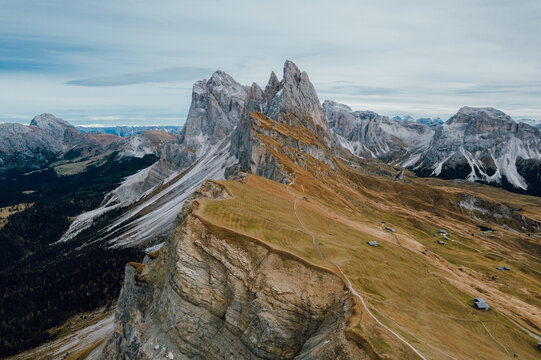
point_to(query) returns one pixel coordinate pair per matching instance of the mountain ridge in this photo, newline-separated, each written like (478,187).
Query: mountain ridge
(48,138)
(281,179)
(476,144)
(273,159)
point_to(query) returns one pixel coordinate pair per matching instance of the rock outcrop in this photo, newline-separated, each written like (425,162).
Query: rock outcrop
(489,211)
(291,102)
(216,109)
(212,294)
(296,97)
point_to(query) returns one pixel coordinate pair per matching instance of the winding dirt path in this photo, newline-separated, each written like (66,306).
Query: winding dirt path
(348,283)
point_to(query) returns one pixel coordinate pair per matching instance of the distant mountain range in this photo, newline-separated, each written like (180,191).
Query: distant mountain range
(425,121)
(127,130)
(49,138)
(433,121)
(476,144)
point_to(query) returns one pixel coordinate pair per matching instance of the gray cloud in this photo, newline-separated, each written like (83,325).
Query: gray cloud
(424,57)
(345,88)
(530,88)
(186,73)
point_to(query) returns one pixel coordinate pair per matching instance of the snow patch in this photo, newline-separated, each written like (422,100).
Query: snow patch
(437,167)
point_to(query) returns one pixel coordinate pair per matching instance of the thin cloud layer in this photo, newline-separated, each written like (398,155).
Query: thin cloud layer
(164,75)
(82,60)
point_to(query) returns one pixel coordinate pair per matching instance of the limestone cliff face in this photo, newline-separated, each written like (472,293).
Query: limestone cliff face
(288,104)
(211,294)
(368,134)
(297,96)
(484,144)
(217,106)
(252,154)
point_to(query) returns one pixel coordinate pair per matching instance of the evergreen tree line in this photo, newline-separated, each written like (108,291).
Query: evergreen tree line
(42,283)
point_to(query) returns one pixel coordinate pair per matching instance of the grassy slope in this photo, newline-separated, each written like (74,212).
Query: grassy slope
(411,293)
(425,298)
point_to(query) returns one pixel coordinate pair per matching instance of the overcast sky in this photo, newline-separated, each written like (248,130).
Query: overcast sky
(134,61)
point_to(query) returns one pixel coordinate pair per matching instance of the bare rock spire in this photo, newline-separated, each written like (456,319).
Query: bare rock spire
(297,96)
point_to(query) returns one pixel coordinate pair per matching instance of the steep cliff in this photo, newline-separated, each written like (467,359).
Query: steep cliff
(367,134)
(214,293)
(262,134)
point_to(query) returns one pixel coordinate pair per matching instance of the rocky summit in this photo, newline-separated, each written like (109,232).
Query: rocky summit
(484,144)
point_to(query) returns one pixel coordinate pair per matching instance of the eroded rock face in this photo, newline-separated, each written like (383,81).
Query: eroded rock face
(211,295)
(216,109)
(292,102)
(296,96)
(247,147)
(497,213)
(368,134)
(179,155)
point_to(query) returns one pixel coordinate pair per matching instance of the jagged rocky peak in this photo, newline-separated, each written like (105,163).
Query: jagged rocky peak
(296,96)
(254,99)
(294,102)
(272,88)
(483,144)
(216,109)
(219,104)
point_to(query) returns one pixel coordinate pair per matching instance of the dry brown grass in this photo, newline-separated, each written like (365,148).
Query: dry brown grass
(424,298)
(419,296)
(137,266)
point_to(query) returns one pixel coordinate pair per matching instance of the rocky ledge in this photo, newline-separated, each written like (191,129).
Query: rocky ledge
(212,293)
